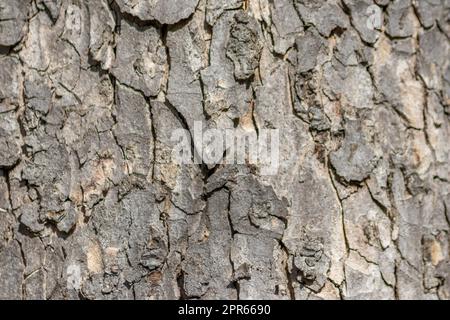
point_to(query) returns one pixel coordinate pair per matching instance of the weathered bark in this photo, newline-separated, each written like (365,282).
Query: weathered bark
(92,206)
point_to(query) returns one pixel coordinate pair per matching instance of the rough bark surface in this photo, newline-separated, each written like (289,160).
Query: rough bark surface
(91,207)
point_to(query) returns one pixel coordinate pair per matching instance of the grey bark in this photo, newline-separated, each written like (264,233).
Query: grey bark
(92,207)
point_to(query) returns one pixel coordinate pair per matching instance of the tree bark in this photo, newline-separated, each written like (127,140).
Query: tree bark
(93,205)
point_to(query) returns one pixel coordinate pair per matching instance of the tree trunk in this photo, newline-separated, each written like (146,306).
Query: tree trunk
(94,204)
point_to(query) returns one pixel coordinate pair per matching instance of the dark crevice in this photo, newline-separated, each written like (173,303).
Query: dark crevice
(347,245)
(180,282)
(290,276)
(154,138)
